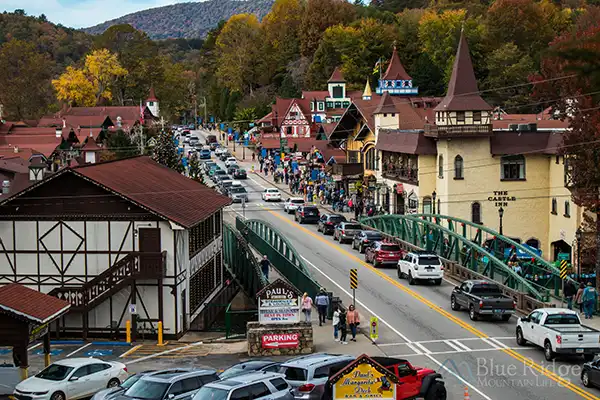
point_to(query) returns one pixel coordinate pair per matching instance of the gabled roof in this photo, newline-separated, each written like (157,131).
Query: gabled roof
(30,304)
(267,118)
(463,93)
(395,69)
(407,142)
(386,105)
(91,145)
(337,76)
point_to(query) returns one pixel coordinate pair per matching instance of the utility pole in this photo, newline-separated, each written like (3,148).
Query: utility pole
(204,105)
(195,112)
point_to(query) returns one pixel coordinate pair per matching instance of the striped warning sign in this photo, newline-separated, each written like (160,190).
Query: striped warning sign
(353,278)
(563,269)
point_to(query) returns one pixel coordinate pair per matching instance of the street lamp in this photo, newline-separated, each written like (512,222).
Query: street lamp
(501,215)
(578,235)
(433,201)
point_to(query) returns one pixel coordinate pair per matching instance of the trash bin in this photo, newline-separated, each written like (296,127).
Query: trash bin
(333,302)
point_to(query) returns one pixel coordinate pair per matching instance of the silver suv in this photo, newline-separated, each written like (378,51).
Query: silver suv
(170,385)
(252,386)
(309,374)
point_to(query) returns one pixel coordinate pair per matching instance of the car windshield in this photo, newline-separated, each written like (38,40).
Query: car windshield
(295,374)
(562,319)
(429,260)
(352,226)
(337,218)
(241,171)
(237,189)
(272,191)
(220,172)
(130,381)
(55,372)
(373,235)
(147,390)
(390,247)
(486,289)
(210,393)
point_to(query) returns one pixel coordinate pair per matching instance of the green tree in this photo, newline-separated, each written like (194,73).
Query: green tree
(428,77)
(120,145)
(195,170)
(165,152)
(243,118)
(282,30)
(25,90)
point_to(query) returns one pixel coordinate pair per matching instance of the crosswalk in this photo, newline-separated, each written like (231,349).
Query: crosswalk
(448,346)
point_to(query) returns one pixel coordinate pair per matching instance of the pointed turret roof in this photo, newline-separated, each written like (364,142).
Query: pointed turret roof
(151,96)
(463,94)
(395,69)
(91,145)
(386,105)
(337,76)
(367,92)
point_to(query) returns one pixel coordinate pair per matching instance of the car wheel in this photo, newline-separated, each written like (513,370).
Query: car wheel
(353,245)
(361,249)
(57,396)
(548,353)
(520,339)
(472,314)
(585,379)
(399,273)
(453,304)
(318,229)
(588,357)
(437,391)
(411,280)
(367,259)
(113,383)
(506,318)
(437,282)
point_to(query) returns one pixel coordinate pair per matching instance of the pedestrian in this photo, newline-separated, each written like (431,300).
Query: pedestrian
(253,156)
(264,266)
(579,297)
(569,292)
(353,321)
(307,304)
(590,298)
(322,302)
(336,324)
(342,326)
(357,210)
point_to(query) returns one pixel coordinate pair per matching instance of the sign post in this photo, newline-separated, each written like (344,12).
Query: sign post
(374,329)
(354,284)
(563,276)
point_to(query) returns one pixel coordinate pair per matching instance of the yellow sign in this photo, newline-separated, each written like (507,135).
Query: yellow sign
(364,382)
(563,269)
(353,278)
(374,328)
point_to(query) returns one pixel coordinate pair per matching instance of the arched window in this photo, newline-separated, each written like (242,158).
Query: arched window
(370,159)
(554,207)
(427,205)
(512,168)
(567,208)
(533,242)
(458,167)
(476,213)
(440,166)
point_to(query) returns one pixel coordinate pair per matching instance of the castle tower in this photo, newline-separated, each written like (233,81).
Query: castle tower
(152,103)
(396,80)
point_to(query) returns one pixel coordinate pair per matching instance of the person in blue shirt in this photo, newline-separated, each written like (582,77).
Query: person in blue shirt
(322,302)
(590,298)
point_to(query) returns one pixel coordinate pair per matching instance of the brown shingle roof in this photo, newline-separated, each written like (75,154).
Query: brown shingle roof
(156,188)
(386,105)
(31,304)
(463,93)
(336,76)
(407,142)
(395,69)
(507,143)
(152,95)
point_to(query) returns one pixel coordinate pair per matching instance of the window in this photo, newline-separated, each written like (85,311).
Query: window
(338,93)
(476,213)
(533,243)
(177,388)
(279,384)
(458,167)
(259,390)
(554,207)
(288,131)
(329,104)
(440,167)
(320,106)
(346,104)
(81,372)
(370,159)
(512,168)
(384,114)
(338,104)
(191,384)
(535,317)
(322,372)
(393,114)
(427,205)
(439,206)
(567,209)
(352,156)
(312,106)
(241,394)
(151,103)
(476,116)
(295,374)
(460,116)
(98,368)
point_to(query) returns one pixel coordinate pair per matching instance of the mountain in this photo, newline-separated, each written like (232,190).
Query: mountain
(186,20)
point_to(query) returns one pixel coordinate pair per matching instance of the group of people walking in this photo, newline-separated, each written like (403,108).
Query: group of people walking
(585,297)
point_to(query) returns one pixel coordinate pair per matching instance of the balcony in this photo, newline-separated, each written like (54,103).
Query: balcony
(401,174)
(347,169)
(447,131)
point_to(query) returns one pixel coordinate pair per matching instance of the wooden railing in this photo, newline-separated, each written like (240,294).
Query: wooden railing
(441,131)
(409,175)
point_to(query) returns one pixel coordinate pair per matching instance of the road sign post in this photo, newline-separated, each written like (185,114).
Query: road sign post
(354,284)
(374,329)
(563,276)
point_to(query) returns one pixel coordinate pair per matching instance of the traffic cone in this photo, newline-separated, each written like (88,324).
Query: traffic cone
(467,397)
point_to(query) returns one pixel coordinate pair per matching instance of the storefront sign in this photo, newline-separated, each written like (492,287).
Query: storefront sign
(280,341)
(37,332)
(279,303)
(364,379)
(501,198)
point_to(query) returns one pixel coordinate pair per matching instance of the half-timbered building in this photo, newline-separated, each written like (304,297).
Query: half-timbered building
(121,240)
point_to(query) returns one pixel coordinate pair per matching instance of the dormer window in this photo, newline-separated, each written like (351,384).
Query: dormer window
(321,106)
(477,117)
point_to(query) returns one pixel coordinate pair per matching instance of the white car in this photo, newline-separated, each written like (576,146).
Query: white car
(292,204)
(421,266)
(271,194)
(230,161)
(71,378)
(220,150)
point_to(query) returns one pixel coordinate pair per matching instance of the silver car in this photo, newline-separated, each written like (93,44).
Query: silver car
(309,374)
(346,231)
(255,386)
(238,194)
(113,392)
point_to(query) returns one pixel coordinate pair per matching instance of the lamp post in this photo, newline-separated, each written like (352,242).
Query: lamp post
(433,201)
(501,215)
(578,235)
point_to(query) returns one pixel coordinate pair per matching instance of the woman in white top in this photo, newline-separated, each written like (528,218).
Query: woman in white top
(336,322)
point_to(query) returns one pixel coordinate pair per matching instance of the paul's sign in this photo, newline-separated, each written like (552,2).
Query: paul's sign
(279,303)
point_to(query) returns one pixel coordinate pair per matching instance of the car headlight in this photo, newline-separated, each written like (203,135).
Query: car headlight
(39,393)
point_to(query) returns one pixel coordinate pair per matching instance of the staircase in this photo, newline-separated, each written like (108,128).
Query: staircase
(118,276)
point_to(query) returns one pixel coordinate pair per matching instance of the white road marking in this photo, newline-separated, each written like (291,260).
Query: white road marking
(450,344)
(131,350)
(424,349)
(34,346)
(163,353)
(81,348)
(499,343)
(494,345)
(440,353)
(397,332)
(461,345)
(412,347)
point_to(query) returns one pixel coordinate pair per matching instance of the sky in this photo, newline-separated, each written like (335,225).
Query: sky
(82,13)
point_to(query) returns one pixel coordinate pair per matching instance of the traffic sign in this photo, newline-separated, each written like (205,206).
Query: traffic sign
(374,328)
(563,269)
(353,278)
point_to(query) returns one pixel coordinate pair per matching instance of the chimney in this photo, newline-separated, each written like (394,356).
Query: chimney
(16,150)
(59,132)
(5,187)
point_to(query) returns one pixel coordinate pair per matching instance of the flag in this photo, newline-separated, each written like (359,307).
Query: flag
(377,66)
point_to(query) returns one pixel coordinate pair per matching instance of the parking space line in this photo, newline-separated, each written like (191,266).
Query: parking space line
(34,346)
(130,351)
(81,348)
(162,353)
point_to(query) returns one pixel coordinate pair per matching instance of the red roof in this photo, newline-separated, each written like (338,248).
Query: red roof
(267,118)
(336,76)
(543,123)
(152,96)
(31,304)
(157,188)
(90,145)
(395,69)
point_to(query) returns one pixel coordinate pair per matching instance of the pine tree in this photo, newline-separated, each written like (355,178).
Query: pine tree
(194,168)
(165,152)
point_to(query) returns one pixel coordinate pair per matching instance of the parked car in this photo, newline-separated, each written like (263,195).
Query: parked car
(224,156)
(221,178)
(214,145)
(194,140)
(309,374)
(111,393)
(225,184)
(240,173)
(71,378)
(250,366)
(232,168)
(271,194)
(590,374)
(328,222)
(253,386)
(292,203)
(230,160)
(205,154)
(219,151)
(207,165)
(420,266)
(218,174)
(558,331)
(238,194)
(306,213)
(383,253)
(482,298)
(178,385)
(345,231)
(363,238)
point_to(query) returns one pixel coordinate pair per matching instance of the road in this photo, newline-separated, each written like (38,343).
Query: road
(418,324)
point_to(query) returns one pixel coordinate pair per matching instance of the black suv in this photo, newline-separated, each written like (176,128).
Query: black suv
(307,214)
(328,222)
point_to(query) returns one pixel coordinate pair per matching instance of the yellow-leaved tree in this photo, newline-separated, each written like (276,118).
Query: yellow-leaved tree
(86,86)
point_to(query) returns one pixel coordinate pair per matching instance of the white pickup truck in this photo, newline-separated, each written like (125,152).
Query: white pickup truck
(558,331)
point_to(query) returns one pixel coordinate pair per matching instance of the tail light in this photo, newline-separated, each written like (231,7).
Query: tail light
(125,369)
(442,267)
(307,388)
(514,304)
(558,339)
(481,304)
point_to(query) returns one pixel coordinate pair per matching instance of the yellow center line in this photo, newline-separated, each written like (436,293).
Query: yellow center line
(527,361)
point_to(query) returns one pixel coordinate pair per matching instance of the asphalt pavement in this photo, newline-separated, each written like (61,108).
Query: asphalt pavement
(416,322)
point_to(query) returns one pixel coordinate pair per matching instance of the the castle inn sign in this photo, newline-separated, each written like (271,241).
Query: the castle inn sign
(501,198)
